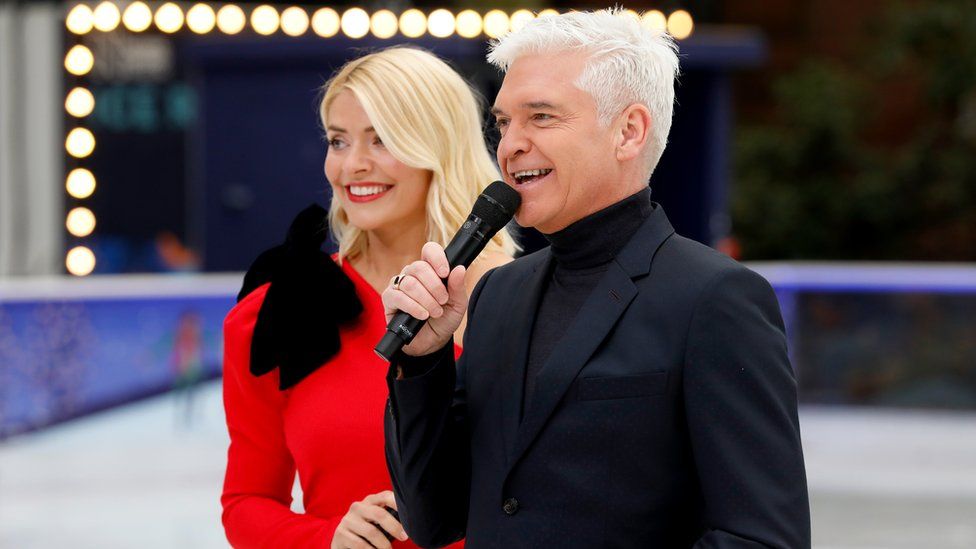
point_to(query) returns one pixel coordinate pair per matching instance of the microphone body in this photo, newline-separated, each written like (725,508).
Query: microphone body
(489,215)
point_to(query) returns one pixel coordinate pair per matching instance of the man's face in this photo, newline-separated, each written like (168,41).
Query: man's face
(553,150)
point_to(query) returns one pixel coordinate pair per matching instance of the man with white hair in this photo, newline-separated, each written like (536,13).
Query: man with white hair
(625,387)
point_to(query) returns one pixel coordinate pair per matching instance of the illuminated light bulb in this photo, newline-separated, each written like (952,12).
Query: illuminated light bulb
(80,222)
(496,23)
(80,261)
(79,103)
(107,16)
(547,13)
(201,19)
(294,21)
(169,18)
(80,183)
(325,22)
(80,142)
(654,20)
(80,19)
(231,19)
(440,23)
(469,24)
(355,23)
(383,24)
(413,23)
(520,18)
(137,17)
(680,24)
(79,60)
(265,20)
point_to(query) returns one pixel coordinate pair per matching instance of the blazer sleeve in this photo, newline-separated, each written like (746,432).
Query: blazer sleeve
(427,444)
(741,406)
(256,497)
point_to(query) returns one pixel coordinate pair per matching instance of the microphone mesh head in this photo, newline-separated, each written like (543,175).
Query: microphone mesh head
(497,204)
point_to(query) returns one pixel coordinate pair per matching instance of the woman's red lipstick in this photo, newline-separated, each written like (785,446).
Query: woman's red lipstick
(366,191)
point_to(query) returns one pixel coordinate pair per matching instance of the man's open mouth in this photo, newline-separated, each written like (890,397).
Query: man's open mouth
(527,176)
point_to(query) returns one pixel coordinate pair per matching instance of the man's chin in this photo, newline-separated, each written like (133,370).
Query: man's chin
(529,219)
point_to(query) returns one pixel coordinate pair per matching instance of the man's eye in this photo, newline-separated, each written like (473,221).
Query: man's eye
(542,116)
(501,123)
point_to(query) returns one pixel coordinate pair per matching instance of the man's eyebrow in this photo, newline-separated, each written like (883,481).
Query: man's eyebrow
(539,105)
(545,105)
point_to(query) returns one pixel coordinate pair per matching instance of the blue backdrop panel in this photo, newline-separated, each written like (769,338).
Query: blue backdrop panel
(257,154)
(259,150)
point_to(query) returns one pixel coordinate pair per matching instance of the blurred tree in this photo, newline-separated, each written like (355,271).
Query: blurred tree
(812,184)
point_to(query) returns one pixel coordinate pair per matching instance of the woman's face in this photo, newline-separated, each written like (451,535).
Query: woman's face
(376,190)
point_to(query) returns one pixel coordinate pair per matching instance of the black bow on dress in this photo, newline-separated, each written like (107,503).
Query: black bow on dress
(297,328)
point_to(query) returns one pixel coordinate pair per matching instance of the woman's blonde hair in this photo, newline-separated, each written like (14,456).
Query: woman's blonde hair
(428,118)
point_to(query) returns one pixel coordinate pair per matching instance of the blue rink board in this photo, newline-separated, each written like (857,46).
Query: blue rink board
(62,359)
(861,334)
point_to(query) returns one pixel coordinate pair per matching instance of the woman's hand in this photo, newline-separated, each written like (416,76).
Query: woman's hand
(364,525)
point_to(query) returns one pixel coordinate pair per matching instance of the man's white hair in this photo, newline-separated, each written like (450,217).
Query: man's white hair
(628,63)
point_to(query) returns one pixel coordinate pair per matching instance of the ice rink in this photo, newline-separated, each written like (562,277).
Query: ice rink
(140,476)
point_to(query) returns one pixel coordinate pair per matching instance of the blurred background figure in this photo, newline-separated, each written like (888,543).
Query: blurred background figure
(831,146)
(187,360)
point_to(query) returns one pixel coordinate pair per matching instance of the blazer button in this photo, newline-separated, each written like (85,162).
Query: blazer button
(511,506)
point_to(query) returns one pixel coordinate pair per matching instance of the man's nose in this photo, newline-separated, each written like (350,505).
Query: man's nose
(513,144)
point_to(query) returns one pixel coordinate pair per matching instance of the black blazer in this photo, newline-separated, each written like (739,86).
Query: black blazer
(665,417)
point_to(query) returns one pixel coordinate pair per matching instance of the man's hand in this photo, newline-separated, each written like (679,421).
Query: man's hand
(422,294)
(366,523)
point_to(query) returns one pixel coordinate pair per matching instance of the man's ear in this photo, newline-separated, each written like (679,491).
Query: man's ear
(633,131)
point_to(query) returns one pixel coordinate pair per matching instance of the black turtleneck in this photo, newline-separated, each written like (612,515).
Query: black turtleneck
(581,253)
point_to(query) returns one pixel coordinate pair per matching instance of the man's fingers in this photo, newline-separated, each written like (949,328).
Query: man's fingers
(433,253)
(396,300)
(455,285)
(425,274)
(415,290)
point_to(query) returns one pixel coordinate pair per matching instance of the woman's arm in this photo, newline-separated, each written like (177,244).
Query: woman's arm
(260,472)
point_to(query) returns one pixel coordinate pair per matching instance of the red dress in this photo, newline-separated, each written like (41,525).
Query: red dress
(328,428)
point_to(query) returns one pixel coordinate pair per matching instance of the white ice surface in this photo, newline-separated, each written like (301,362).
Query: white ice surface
(137,477)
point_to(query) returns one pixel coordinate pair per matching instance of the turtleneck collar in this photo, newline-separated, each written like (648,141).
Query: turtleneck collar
(596,239)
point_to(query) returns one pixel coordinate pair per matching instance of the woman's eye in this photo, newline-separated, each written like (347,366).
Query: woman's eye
(336,143)
(378,141)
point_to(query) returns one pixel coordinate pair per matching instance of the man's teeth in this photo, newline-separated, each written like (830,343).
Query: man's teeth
(367,191)
(530,173)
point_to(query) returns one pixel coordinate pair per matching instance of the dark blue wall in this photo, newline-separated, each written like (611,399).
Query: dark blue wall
(257,153)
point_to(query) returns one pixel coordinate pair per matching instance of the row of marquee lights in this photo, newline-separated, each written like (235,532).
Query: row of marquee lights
(326,22)
(265,20)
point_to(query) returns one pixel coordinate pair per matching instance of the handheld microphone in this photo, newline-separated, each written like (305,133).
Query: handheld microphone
(492,211)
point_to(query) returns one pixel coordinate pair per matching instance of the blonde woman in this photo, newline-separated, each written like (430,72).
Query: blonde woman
(303,390)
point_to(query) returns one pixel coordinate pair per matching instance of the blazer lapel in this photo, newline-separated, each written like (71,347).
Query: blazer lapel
(521,319)
(595,320)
